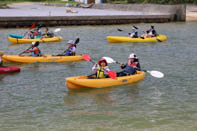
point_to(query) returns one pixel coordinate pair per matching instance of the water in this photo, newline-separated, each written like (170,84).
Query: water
(38,99)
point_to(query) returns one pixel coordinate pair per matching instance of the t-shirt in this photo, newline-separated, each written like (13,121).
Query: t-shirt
(73,49)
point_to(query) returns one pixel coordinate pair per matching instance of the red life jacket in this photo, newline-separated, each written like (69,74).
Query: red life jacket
(36,50)
(133,64)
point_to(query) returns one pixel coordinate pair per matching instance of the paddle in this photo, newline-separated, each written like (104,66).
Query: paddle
(119,29)
(33,44)
(125,31)
(153,73)
(110,73)
(57,30)
(32,26)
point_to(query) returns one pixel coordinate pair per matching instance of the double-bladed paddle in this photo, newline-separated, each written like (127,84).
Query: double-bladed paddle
(153,73)
(110,73)
(33,44)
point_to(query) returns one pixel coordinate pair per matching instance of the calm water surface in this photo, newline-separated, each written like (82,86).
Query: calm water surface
(38,99)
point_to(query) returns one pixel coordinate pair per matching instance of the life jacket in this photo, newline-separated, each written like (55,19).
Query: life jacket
(50,34)
(152,32)
(100,73)
(36,33)
(129,70)
(135,34)
(134,64)
(36,51)
(68,52)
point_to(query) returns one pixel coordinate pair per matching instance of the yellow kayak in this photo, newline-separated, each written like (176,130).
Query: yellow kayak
(43,40)
(79,82)
(45,58)
(120,39)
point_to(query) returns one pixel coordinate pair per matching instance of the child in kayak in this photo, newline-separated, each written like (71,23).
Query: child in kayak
(134,33)
(1,62)
(101,69)
(35,51)
(71,50)
(131,67)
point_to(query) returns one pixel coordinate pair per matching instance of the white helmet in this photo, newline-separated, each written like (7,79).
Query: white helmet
(132,55)
(71,42)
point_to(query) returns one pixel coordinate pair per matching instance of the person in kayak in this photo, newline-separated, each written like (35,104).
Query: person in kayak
(47,34)
(34,50)
(1,62)
(134,33)
(71,50)
(29,35)
(150,33)
(131,67)
(101,69)
(37,33)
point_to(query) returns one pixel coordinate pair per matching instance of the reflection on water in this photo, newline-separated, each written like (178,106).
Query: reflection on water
(101,97)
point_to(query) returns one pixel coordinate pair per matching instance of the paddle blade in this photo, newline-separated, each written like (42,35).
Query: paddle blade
(86,57)
(158,40)
(57,30)
(33,26)
(112,74)
(119,29)
(157,74)
(109,59)
(77,41)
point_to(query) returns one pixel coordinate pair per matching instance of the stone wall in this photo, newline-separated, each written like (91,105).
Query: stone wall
(178,11)
(10,22)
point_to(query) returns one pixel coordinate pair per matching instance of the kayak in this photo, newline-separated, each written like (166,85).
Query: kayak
(14,40)
(9,69)
(121,39)
(45,58)
(16,36)
(80,82)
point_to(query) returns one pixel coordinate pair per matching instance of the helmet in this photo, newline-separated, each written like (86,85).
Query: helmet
(71,42)
(132,55)
(35,43)
(102,60)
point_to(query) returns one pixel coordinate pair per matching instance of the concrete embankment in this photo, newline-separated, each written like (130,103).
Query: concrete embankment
(24,15)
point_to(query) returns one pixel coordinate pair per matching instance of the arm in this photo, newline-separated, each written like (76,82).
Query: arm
(95,68)
(73,49)
(122,65)
(106,69)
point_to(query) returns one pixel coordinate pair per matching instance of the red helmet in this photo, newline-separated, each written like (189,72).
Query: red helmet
(102,60)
